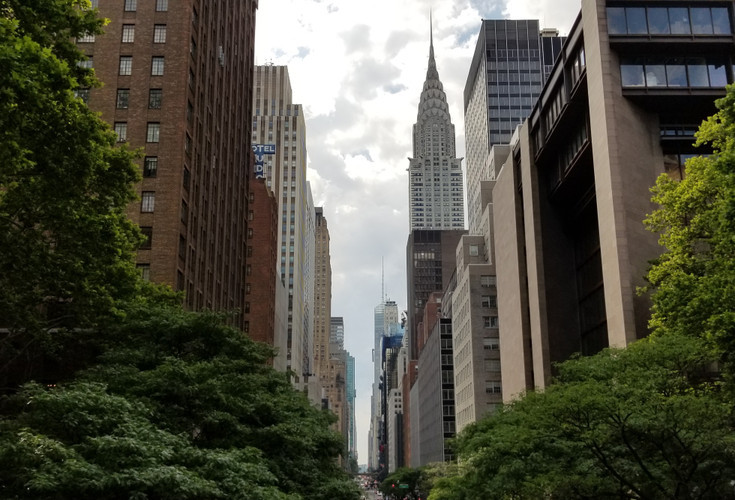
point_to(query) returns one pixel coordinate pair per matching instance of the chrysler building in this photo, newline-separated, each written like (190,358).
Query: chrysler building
(435,173)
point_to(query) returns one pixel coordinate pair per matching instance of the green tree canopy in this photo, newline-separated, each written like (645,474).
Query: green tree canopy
(694,280)
(198,394)
(648,422)
(67,245)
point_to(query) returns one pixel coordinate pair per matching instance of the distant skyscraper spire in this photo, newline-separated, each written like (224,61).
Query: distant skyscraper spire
(431,72)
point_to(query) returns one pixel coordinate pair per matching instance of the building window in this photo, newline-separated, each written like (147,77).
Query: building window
(121,129)
(153,132)
(83,94)
(87,63)
(126,65)
(184,212)
(145,271)
(147,232)
(148,201)
(493,387)
(128,33)
(487,280)
(489,301)
(155,96)
(491,344)
(86,39)
(161,5)
(157,63)
(474,250)
(672,72)
(130,5)
(123,97)
(492,365)
(150,166)
(159,33)
(490,321)
(674,20)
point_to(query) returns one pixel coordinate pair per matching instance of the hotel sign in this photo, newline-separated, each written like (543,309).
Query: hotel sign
(260,150)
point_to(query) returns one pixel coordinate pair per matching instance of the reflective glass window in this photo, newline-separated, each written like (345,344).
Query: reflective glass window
(697,69)
(616,21)
(679,20)
(636,19)
(676,73)
(631,73)
(701,21)
(658,21)
(721,21)
(655,73)
(717,74)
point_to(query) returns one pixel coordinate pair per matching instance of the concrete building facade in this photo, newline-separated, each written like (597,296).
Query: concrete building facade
(619,108)
(475,333)
(178,83)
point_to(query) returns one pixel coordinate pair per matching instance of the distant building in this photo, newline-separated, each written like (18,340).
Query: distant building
(430,262)
(436,187)
(511,59)
(278,123)
(620,107)
(435,422)
(159,72)
(351,395)
(260,313)
(322,294)
(386,324)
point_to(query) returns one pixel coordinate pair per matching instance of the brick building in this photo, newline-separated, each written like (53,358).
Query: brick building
(177,83)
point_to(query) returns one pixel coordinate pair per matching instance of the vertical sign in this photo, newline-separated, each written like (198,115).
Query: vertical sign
(260,150)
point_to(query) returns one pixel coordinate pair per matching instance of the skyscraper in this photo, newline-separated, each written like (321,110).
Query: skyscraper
(507,73)
(322,295)
(160,68)
(436,191)
(279,123)
(386,323)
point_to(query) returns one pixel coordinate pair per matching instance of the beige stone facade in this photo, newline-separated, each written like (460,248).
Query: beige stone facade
(570,201)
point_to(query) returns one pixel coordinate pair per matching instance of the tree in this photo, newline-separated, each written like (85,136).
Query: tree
(207,380)
(694,280)
(648,422)
(407,476)
(81,442)
(67,245)
(178,396)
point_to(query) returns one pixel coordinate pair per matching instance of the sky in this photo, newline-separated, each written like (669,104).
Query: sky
(357,67)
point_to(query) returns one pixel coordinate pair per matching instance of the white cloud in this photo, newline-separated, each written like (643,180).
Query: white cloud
(358,68)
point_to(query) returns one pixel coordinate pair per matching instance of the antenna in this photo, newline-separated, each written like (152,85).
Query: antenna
(382,278)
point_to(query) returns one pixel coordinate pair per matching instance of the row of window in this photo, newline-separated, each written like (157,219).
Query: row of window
(668,21)
(155,98)
(132,5)
(153,131)
(672,72)
(128,34)
(126,65)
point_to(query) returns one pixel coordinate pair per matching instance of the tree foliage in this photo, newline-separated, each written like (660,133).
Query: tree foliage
(183,394)
(694,280)
(67,245)
(645,422)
